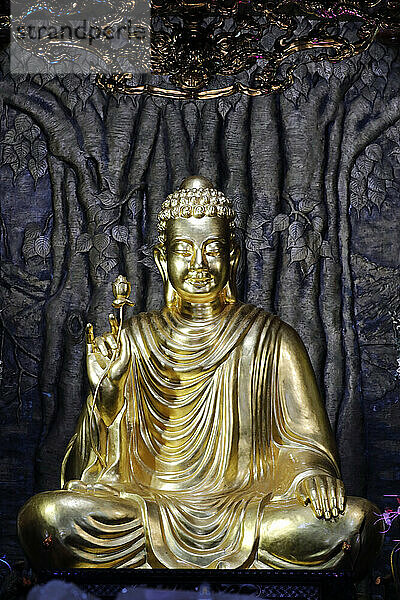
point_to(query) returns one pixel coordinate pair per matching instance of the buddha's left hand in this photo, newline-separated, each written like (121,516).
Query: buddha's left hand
(97,489)
(324,493)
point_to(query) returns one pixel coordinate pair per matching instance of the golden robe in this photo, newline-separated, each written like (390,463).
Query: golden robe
(220,419)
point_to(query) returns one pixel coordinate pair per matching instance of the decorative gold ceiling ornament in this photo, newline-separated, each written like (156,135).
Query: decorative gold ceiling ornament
(193,41)
(216,48)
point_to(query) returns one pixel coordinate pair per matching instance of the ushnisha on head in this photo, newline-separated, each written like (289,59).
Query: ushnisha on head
(196,197)
(197,255)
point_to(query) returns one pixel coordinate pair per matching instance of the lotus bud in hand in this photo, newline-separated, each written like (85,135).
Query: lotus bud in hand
(121,289)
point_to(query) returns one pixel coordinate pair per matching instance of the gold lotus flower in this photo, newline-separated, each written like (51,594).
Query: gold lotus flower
(121,289)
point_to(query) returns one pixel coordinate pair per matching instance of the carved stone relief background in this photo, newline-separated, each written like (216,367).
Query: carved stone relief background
(315,177)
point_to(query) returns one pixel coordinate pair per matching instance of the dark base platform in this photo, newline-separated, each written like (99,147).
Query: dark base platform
(209,584)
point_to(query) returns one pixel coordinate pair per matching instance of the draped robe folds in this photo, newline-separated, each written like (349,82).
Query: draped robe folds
(220,419)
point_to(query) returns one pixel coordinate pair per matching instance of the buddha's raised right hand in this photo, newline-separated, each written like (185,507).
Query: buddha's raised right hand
(107,368)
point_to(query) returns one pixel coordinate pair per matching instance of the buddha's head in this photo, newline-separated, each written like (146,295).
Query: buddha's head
(197,255)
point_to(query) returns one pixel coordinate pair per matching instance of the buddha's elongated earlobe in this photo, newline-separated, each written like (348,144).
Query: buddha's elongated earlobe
(229,296)
(170,295)
(229,292)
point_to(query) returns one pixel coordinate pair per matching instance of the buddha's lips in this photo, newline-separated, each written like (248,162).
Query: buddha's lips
(199,281)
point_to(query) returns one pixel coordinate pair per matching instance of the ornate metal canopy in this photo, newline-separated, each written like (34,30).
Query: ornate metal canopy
(195,41)
(214,48)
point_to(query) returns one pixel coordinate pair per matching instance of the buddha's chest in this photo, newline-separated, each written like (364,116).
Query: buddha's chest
(194,422)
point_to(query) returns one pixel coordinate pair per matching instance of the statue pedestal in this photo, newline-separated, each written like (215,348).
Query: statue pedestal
(210,584)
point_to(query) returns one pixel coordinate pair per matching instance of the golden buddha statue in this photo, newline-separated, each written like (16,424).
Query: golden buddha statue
(204,442)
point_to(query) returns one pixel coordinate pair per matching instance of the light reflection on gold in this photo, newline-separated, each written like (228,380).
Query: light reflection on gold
(216,451)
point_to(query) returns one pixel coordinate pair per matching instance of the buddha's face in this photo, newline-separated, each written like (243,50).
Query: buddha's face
(198,257)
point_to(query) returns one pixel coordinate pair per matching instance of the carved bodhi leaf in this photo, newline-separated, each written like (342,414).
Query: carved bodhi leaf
(32,133)
(39,149)
(28,248)
(83,243)
(256,237)
(295,237)
(108,264)
(107,199)
(120,233)
(376,190)
(365,165)
(133,204)
(86,90)
(146,258)
(255,244)
(376,184)
(70,99)
(37,168)
(101,241)
(71,82)
(42,79)
(23,149)
(297,254)
(103,218)
(371,178)
(296,230)
(9,137)
(280,223)
(32,231)
(314,241)
(22,123)
(304,233)
(307,205)
(9,155)
(42,246)
(318,223)
(36,243)
(374,152)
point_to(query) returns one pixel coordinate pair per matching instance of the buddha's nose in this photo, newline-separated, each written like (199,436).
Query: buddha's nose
(198,259)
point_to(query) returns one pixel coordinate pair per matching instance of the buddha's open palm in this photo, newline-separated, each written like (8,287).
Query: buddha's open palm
(104,355)
(324,493)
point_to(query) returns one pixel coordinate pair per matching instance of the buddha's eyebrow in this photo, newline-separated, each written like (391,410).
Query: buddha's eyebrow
(181,241)
(213,240)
